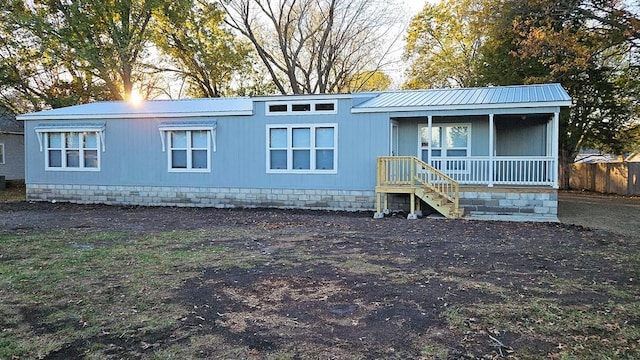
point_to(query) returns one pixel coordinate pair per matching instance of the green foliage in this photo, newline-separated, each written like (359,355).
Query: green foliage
(581,44)
(443,43)
(35,72)
(205,54)
(586,45)
(70,52)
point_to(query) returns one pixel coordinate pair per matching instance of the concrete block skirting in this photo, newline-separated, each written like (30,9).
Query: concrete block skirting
(343,200)
(533,204)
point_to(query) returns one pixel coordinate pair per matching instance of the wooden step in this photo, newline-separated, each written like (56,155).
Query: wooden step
(439,203)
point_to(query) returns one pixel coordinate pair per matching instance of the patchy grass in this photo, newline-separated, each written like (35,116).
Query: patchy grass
(313,285)
(62,285)
(12,194)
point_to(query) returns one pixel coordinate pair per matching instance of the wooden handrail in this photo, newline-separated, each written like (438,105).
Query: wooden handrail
(438,182)
(411,171)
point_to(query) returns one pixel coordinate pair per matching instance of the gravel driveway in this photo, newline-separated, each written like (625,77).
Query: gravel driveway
(617,214)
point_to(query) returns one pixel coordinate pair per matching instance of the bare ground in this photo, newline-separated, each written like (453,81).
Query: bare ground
(311,284)
(613,213)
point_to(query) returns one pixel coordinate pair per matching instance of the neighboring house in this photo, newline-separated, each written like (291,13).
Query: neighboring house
(478,152)
(633,157)
(11,148)
(591,156)
(595,156)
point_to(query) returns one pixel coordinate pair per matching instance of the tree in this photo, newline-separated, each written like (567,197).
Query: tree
(443,43)
(316,46)
(204,54)
(561,42)
(33,75)
(368,81)
(102,41)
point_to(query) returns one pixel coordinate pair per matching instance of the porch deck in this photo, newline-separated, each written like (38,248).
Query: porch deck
(440,183)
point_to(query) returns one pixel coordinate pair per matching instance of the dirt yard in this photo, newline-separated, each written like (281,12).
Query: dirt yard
(164,283)
(616,214)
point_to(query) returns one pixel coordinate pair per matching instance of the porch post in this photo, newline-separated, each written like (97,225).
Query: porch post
(554,147)
(491,149)
(429,129)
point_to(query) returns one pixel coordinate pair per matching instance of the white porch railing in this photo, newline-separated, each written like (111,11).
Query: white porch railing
(505,170)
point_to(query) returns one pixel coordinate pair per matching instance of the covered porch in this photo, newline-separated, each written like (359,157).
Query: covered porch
(492,150)
(495,148)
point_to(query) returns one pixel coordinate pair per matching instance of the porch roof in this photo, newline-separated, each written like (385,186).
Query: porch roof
(519,96)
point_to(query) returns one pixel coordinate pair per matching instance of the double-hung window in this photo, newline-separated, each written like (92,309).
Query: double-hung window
(188,146)
(302,148)
(72,147)
(1,153)
(189,150)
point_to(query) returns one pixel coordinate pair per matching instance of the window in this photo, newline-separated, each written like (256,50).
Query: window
(72,150)
(1,153)
(302,148)
(188,150)
(71,147)
(188,145)
(447,141)
(301,107)
(278,108)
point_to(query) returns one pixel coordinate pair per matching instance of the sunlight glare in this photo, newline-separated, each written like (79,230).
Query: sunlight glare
(135,98)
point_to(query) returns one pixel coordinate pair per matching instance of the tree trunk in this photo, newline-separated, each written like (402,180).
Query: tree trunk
(566,158)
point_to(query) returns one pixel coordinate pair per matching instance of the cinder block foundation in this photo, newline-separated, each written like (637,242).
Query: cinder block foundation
(344,200)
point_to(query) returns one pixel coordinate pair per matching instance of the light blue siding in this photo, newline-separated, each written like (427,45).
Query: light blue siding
(409,141)
(133,153)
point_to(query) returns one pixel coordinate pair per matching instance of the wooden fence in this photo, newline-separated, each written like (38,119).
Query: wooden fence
(614,178)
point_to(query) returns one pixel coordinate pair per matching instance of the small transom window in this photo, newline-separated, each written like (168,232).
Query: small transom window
(301,107)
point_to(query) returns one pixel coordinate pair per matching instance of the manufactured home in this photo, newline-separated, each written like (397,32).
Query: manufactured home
(475,152)
(11,148)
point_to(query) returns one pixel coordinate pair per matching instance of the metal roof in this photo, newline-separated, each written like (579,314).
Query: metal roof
(521,96)
(148,109)
(468,98)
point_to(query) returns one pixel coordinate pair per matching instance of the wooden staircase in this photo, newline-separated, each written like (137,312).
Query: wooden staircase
(439,203)
(410,175)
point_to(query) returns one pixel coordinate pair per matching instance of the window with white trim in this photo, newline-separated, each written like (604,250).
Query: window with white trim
(301,107)
(71,147)
(188,150)
(74,150)
(188,145)
(302,148)
(1,153)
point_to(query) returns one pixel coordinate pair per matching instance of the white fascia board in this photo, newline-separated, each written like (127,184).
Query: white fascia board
(526,105)
(132,116)
(309,97)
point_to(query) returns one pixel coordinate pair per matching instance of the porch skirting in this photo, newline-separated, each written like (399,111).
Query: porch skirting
(342,200)
(499,203)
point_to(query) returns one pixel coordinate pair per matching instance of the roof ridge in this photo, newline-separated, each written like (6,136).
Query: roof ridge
(467,88)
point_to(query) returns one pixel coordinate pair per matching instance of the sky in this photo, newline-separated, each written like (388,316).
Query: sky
(416,5)
(397,72)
